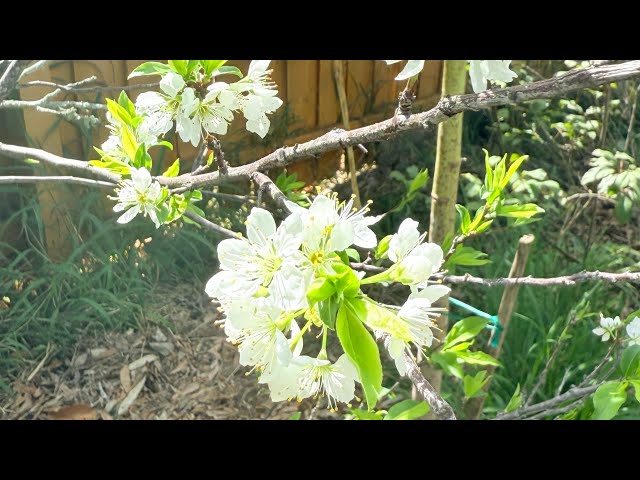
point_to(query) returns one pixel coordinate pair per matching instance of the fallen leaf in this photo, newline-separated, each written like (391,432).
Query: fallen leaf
(125,378)
(74,412)
(100,353)
(141,362)
(163,348)
(158,336)
(131,397)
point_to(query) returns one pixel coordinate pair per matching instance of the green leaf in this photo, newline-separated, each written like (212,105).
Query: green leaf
(364,415)
(211,65)
(465,218)
(150,68)
(407,410)
(346,282)
(129,143)
(464,330)
(228,70)
(362,349)
(178,66)
(118,112)
(630,362)
(608,399)
(623,210)
(142,158)
(448,361)
(173,170)
(636,387)
(515,402)
(378,317)
(295,416)
(478,358)
(525,210)
(124,102)
(466,256)
(383,247)
(328,309)
(353,254)
(488,176)
(192,65)
(320,289)
(512,169)
(419,181)
(473,385)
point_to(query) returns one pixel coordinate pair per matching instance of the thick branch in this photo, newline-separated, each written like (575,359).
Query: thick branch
(566,280)
(446,108)
(439,406)
(16,151)
(15,179)
(10,77)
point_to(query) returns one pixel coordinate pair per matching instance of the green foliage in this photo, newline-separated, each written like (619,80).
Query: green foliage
(407,410)
(608,399)
(362,349)
(618,177)
(413,185)
(515,402)
(473,385)
(290,186)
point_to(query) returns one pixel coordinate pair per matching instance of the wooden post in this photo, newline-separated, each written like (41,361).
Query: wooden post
(445,187)
(473,408)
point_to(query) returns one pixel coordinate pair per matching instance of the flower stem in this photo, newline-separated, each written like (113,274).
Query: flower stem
(300,334)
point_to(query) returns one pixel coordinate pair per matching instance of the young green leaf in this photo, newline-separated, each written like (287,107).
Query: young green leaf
(464,330)
(448,362)
(478,358)
(150,68)
(630,362)
(362,349)
(407,410)
(173,170)
(178,66)
(515,402)
(473,385)
(608,399)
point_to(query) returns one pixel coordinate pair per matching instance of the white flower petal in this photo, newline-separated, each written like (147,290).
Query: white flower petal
(260,226)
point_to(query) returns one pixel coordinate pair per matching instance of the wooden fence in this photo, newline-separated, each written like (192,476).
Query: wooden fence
(311,108)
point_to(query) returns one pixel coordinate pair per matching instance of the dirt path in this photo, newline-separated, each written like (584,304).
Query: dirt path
(185,371)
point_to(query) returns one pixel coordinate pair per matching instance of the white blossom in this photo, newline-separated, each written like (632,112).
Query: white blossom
(633,331)
(482,71)
(138,195)
(268,257)
(414,261)
(608,327)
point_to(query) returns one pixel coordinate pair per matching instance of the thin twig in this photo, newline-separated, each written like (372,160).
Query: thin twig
(16,179)
(210,225)
(566,280)
(10,77)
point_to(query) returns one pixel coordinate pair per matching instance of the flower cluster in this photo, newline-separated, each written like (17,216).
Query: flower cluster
(609,328)
(299,270)
(196,107)
(482,71)
(139,195)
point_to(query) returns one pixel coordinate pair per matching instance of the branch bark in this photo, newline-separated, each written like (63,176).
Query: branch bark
(446,108)
(565,281)
(10,77)
(16,179)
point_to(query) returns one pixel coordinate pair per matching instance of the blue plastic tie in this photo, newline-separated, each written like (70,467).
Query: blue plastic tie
(495,321)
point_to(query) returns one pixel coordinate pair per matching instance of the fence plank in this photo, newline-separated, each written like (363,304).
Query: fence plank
(360,87)
(385,87)
(55,199)
(328,105)
(302,92)
(430,79)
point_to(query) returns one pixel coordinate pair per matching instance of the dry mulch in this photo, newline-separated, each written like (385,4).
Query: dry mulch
(187,371)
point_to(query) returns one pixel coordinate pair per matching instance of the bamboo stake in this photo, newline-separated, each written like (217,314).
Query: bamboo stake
(338,72)
(473,408)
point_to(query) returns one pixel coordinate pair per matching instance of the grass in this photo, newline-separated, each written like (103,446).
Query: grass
(102,285)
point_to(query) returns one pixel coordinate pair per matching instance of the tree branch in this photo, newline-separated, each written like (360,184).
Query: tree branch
(16,151)
(210,225)
(10,77)
(439,406)
(445,109)
(15,179)
(572,394)
(566,280)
